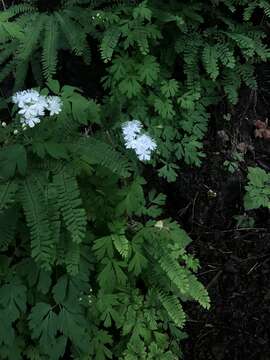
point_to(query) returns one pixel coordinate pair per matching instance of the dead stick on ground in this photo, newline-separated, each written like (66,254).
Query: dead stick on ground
(214,280)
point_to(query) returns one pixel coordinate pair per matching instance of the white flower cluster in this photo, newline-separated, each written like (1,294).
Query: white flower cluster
(143,144)
(32,106)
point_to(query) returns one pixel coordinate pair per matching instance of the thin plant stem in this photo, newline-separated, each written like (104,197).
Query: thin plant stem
(4,5)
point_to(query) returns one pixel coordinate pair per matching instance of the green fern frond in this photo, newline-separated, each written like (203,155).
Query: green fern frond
(247,73)
(176,274)
(173,307)
(248,11)
(98,152)
(9,29)
(109,43)
(231,83)
(226,55)
(49,54)
(71,30)
(210,60)
(72,258)
(265,6)
(245,43)
(69,202)
(54,213)
(198,292)
(19,9)
(35,209)
(121,244)
(31,40)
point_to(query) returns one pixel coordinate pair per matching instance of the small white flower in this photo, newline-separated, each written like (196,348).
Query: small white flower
(40,105)
(28,111)
(31,122)
(130,131)
(144,146)
(32,105)
(54,105)
(21,98)
(15,132)
(4,124)
(145,141)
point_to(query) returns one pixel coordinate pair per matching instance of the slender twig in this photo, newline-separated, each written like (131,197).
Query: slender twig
(229,231)
(4,5)
(255,266)
(193,210)
(214,280)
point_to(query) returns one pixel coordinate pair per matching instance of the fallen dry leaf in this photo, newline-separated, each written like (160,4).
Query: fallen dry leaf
(262,131)
(261,124)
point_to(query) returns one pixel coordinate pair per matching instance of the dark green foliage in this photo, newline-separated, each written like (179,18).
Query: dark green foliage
(42,33)
(89,266)
(163,61)
(33,201)
(83,235)
(69,203)
(188,56)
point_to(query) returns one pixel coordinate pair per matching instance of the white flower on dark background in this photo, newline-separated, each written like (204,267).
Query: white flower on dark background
(54,105)
(32,106)
(25,97)
(31,122)
(130,130)
(142,144)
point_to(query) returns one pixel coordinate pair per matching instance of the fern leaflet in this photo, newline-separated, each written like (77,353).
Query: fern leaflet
(172,305)
(69,202)
(49,55)
(34,206)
